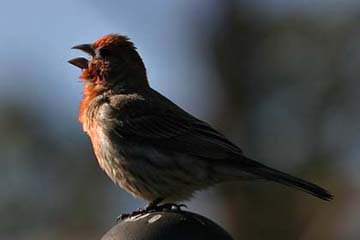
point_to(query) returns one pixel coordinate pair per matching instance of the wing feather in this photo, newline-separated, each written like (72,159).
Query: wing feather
(169,128)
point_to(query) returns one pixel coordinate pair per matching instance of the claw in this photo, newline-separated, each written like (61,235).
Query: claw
(168,207)
(123,216)
(152,208)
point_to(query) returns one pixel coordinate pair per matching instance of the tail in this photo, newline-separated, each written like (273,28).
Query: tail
(291,181)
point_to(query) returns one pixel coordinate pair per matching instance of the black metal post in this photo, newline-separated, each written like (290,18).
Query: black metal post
(167,225)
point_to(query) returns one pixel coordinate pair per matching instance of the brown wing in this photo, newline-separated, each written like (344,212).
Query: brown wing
(168,127)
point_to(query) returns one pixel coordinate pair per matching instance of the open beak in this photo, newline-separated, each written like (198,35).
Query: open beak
(79,62)
(87,48)
(82,62)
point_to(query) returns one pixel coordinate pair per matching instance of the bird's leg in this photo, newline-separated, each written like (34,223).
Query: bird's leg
(153,204)
(150,207)
(170,207)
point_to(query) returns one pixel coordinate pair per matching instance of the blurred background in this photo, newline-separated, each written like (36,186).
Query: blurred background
(279,78)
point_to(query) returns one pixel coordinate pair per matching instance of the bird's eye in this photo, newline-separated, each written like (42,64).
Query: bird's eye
(104,52)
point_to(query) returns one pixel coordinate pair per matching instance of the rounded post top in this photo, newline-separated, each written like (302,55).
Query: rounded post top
(174,225)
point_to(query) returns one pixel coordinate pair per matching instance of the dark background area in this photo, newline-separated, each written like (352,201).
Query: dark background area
(279,78)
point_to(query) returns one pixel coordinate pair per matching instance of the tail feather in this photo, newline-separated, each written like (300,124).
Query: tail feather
(291,181)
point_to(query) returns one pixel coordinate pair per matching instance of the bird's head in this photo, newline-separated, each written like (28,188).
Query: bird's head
(114,63)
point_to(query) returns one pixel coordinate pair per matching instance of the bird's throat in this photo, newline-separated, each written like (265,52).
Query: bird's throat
(90,92)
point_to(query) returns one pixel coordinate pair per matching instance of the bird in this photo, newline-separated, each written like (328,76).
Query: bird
(150,146)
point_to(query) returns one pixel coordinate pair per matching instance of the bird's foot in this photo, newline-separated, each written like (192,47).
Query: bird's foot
(168,207)
(132,214)
(152,208)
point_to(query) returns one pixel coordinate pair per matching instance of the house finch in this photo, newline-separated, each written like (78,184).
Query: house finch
(147,144)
